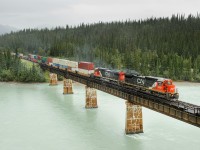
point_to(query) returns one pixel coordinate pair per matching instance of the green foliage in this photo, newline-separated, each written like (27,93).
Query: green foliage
(12,69)
(168,47)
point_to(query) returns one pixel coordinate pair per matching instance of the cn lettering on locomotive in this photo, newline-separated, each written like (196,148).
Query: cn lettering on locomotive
(107,74)
(140,81)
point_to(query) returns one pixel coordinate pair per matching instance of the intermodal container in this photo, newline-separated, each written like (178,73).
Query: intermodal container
(49,60)
(73,64)
(32,56)
(35,56)
(86,65)
(84,71)
(63,66)
(55,60)
(57,65)
(33,60)
(20,54)
(44,59)
(29,56)
(63,62)
(39,57)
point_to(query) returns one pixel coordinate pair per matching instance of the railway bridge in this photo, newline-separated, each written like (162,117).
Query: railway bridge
(135,99)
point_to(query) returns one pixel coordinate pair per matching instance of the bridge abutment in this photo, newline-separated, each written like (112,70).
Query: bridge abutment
(134,121)
(67,86)
(53,79)
(91,98)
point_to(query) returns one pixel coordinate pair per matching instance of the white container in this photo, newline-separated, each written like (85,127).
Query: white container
(73,64)
(63,62)
(32,56)
(85,71)
(55,60)
(21,55)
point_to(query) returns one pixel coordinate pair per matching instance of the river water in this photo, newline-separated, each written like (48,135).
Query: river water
(40,117)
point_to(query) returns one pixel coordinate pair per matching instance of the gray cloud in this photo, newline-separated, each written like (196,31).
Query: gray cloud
(40,13)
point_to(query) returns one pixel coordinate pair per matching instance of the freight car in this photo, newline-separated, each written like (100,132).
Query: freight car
(86,68)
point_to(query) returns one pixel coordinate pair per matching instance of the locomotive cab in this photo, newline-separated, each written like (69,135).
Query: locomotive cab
(166,86)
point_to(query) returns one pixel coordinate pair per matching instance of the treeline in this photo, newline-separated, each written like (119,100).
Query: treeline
(167,47)
(12,69)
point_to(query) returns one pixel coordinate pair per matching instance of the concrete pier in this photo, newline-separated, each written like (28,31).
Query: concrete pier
(91,98)
(134,121)
(67,86)
(53,79)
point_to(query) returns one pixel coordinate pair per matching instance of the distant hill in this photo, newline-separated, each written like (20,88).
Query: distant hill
(6,29)
(164,47)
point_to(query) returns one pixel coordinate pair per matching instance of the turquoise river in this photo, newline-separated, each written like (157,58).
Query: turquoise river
(40,117)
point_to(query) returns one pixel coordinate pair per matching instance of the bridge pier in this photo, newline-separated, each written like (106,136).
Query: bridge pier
(91,98)
(67,86)
(134,122)
(53,79)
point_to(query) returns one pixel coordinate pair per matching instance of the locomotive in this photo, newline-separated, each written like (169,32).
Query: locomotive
(154,85)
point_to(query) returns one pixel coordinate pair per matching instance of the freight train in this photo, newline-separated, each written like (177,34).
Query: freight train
(155,85)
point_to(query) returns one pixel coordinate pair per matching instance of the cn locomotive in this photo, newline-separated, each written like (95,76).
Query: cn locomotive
(154,85)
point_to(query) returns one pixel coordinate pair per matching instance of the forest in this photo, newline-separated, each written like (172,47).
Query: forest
(165,47)
(12,69)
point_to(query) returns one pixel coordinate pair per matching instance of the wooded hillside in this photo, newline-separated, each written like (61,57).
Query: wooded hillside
(167,47)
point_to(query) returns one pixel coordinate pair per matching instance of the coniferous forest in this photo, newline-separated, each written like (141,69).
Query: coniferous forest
(12,69)
(165,47)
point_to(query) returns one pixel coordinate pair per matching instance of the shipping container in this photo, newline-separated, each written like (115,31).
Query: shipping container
(39,57)
(56,65)
(63,66)
(49,60)
(44,59)
(20,55)
(30,56)
(86,65)
(85,71)
(55,60)
(35,56)
(73,64)
(63,62)
(34,60)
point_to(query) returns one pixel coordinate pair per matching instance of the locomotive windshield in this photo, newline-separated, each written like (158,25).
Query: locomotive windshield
(169,83)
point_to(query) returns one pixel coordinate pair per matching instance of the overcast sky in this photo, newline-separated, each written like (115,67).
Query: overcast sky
(51,13)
